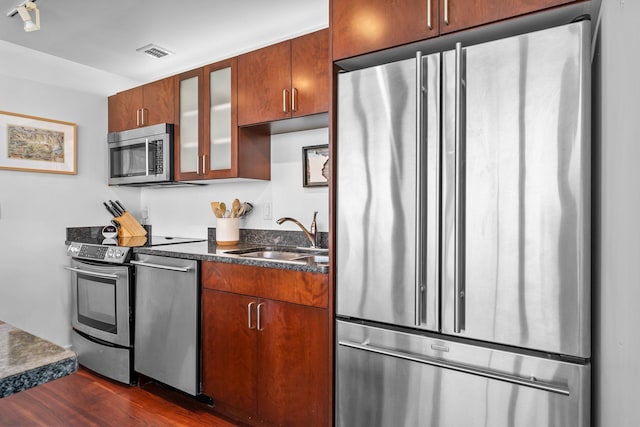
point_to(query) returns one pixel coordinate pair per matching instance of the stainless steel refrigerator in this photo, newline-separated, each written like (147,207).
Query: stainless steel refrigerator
(463,236)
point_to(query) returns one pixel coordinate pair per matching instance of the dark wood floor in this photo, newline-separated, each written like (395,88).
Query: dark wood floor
(85,399)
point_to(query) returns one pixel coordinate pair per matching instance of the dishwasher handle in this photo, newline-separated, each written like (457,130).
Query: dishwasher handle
(161,267)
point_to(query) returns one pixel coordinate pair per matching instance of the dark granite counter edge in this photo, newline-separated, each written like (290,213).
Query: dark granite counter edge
(40,375)
(167,251)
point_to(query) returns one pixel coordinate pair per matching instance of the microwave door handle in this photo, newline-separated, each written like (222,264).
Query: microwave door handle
(92,273)
(146,156)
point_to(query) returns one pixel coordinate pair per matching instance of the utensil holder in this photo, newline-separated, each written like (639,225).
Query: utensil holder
(228,231)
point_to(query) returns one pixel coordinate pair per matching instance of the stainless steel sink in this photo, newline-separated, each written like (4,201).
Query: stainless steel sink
(275,255)
(317,259)
(284,254)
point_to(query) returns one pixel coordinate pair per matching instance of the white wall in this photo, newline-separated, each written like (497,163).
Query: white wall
(35,208)
(617,218)
(186,211)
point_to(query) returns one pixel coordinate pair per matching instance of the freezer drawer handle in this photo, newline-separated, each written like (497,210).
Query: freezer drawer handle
(92,273)
(527,382)
(161,267)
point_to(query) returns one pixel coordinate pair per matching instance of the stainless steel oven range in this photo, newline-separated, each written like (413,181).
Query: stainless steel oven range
(102,303)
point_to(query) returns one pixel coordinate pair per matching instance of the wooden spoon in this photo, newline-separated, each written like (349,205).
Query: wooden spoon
(215,207)
(235,206)
(223,210)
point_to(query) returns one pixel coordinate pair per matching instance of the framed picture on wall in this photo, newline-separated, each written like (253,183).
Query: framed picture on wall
(36,144)
(315,166)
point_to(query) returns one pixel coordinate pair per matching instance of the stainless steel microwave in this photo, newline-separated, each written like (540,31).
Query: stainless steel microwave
(141,156)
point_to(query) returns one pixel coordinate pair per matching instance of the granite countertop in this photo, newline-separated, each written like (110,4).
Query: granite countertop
(27,361)
(209,251)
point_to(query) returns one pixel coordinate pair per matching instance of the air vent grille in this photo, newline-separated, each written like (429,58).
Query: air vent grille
(155,51)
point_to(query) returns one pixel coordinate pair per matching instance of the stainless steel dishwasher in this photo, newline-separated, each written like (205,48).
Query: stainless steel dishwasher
(166,344)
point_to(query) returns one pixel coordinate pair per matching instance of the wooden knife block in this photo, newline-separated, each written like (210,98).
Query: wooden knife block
(129,226)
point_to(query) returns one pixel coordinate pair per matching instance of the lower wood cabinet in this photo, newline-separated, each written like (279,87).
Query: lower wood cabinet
(266,358)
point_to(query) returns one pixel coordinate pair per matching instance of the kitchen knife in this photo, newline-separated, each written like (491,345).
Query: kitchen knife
(115,208)
(120,206)
(110,210)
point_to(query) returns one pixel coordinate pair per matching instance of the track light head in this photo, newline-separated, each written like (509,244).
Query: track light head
(24,10)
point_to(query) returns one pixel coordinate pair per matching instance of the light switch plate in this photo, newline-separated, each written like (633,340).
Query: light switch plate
(266,211)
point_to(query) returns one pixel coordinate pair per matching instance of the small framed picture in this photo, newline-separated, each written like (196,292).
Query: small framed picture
(315,166)
(35,144)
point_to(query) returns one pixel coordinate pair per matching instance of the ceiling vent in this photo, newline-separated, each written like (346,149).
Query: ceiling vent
(154,50)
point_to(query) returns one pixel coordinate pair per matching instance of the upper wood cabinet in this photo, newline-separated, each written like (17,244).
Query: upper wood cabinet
(284,80)
(146,105)
(208,144)
(459,14)
(363,26)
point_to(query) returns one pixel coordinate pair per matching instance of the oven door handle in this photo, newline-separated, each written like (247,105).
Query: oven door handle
(92,273)
(161,267)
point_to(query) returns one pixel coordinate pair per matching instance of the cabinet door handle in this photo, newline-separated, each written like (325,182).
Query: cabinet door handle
(204,164)
(429,26)
(446,12)
(294,96)
(142,121)
(251,304)
(259,315)
(285,96)
(138,117)
(197,164)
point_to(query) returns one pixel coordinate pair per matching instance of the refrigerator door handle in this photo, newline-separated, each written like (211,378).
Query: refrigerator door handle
(486,373)
(419,176)
(458,280)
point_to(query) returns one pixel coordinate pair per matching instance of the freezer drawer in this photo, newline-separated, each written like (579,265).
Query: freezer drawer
(388,378)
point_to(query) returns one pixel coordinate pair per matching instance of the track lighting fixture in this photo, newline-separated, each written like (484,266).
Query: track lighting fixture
(24,10)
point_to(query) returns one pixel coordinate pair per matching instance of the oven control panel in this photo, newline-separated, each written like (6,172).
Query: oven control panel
(112,254)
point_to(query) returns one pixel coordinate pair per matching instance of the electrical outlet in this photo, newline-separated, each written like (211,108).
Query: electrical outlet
(266,211)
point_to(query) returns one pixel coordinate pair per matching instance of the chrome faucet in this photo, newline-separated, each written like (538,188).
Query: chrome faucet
(312,234)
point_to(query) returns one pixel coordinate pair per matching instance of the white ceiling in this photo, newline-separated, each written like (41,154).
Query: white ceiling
(104,35)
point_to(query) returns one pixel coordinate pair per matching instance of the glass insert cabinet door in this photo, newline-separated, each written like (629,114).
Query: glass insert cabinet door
(190,132)
(207,122)
(220,119)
